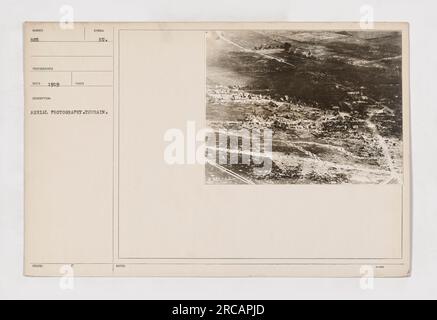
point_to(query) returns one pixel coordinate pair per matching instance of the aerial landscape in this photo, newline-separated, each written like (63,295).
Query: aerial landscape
(332,101)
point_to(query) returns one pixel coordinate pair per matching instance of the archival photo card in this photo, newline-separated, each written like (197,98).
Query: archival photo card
(217,149)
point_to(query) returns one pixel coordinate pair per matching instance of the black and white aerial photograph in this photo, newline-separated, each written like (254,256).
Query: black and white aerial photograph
(326,106)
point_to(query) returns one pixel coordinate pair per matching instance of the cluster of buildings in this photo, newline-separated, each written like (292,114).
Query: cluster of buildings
(220,94)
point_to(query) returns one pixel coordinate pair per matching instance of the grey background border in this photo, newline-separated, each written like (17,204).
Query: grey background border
(423,283)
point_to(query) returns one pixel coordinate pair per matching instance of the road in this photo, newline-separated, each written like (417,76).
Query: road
(229,172)
(220,35)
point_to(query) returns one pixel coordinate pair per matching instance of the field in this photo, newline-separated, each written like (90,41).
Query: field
(332,100)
